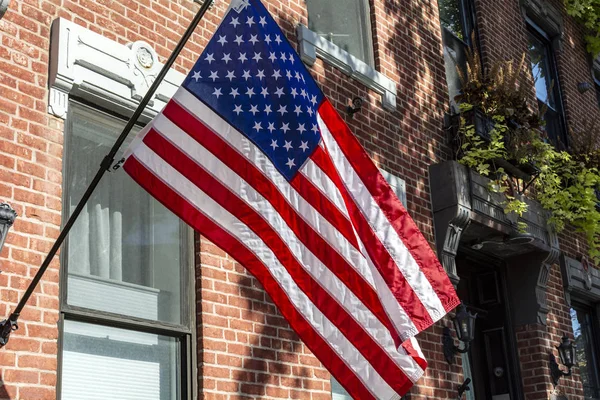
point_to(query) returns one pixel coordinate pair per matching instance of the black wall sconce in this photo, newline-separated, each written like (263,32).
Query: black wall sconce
(464,388)
(566,352)
(7,218)
(357,103)
(464,325)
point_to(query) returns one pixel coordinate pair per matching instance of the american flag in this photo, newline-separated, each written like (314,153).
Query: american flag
(251,154)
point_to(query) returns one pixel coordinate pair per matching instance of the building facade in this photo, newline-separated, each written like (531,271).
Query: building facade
(138,306)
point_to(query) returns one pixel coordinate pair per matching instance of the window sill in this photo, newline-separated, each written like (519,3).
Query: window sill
(313,46)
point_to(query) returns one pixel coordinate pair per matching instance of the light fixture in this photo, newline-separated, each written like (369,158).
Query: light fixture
(357,103)
(3,7)
(7,218)
(514,238)
(464,388)
(583,87)
(464,325)
(566,352)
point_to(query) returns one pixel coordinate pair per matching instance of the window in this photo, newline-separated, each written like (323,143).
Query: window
(345,23)
(586,334)
(126,268)
(456,17)
(596,75)
(543,69)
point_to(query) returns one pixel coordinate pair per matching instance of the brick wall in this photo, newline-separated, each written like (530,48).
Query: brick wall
(245,348)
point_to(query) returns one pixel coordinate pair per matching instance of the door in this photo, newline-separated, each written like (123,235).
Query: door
(492,359)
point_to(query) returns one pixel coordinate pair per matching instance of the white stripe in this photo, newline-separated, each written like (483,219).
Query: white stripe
(328,331)
(322,275)
(255,156)
(325,185)
(382,228)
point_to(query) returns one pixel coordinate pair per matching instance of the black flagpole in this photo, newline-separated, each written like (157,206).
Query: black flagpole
(10,324)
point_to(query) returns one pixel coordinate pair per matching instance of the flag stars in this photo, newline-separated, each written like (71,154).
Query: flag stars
(271,128)
(288,74)
(257,57)
(298,76)
(237,109)
(214,75)
(276,74)
(315,129)
(217,92)
(263,21)
(264,92)
(234,92)
(261,74)
(210,58)
(235,22)
(226,57)
(303,93)
(250,92)
(304,146)
(273,144)
(309,111)
(196,76)
(288,145)
(246,75)
(279,92)
(250,21)
(282,110)
(283,57)
(239,40)
(257,126)
(298,110)
(268,109)
(285,127)
(230,75)
(313,100)
(272,57)
(291,164)
(242,57)
(277,39)
(222,40)
(294,92)
(253,109)
(268,39)
(291,58)
(301,128)
(253,39)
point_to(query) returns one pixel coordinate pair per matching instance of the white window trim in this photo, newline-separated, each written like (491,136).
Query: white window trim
(312,46)
(88,65)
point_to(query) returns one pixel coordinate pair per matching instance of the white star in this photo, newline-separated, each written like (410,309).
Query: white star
(276,74)
(226,57)
(196,76)
(263,21)
(250,21)
(309,111)
(268,39)
(253,39)
(250,92)
(301,128)
(213,75)
(277,39)
(246,75)
(209,58)
(273,57)
(257,126)
(239,40)
(294,92)
(303,93)
(234,92)
(257,57)
(304,146)
(315,128)
(313,100)
(264,92)
(271,128)
(261,74)
(217,92)
(283,57)
(268,109)
(274,144)
(290,163)
(285,127)
(288,74)
(253,109)
(237,109)
(222,40)
(298,76)
(279,92)
(230,75)
(288,145)
(291,58)
(303,81)
(235,22)
(242,57)
(298,111)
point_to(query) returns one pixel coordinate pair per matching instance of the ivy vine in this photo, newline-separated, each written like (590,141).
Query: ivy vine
(587,12)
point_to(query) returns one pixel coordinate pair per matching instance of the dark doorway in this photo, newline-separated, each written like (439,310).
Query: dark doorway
(492,361)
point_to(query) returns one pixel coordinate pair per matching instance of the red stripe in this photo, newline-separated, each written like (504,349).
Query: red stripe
(400,288)
(328,305)
(307,235)
(173,201)
(392,208)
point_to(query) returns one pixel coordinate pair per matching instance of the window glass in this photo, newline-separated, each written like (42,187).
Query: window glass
(586,351)
(124,253)
(100,363)
(345,23)
(451,17)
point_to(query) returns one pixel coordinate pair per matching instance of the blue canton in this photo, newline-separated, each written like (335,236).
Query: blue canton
(251,76)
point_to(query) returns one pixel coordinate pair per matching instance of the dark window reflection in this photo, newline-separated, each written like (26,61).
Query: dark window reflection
(582,320)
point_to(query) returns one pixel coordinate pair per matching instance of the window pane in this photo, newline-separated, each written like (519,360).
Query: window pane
(586,352)
(338,392)
(100,363)
(540,68)
(451,17)
(124,253)
(345,23)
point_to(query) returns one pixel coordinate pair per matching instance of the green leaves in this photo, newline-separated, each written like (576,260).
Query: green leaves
(587,12)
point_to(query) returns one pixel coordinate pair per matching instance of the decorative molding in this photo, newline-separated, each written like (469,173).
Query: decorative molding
(543,14)
(312,46)
(580,281)
(115,76)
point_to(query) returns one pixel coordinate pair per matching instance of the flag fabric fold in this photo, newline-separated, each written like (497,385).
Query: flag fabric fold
(251,154)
